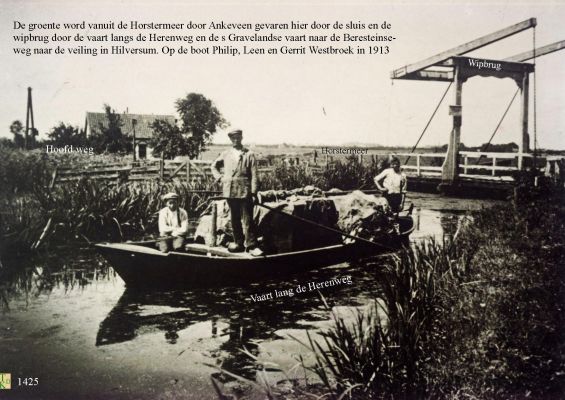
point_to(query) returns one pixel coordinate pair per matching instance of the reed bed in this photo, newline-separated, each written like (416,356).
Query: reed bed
(349,174)
(89,210)
(372,356)
(23,171)
(33,216)
(479,316)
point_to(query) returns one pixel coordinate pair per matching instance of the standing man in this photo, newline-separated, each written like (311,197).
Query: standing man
(173,224)
(393,184)
(239,181)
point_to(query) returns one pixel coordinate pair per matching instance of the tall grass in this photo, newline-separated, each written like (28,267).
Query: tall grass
(346,175)
(373,357)
(88,210)
(479,316)
(23,171)
(351,174)
(34,215)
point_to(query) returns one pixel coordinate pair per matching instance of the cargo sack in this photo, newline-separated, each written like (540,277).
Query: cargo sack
(203,232)
(356,213)
(277,233)
(364,215)
(282,234)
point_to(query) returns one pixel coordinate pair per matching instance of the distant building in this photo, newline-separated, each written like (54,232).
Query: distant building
(143,131)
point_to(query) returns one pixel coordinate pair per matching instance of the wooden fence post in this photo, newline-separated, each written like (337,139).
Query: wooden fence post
(465,164)
(520,161)
(187,172)
(53,179)
(418,171)
(494,166)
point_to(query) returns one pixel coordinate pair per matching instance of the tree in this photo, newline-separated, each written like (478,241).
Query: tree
(500,148)
(16,129)
(33,142)
(6,143)
(63,134)
(462,147)
(169,141)
(200,118)
(111,138)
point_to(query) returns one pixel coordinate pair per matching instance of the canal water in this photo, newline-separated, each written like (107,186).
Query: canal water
(71,330)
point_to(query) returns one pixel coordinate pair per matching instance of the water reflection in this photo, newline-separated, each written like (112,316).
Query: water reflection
(228,319)
(438,225)
(30,278)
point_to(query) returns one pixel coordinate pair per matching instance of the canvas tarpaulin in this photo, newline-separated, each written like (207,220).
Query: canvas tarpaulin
(355,213)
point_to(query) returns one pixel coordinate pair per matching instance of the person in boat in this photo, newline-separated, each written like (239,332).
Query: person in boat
(239,187)
(173,224)
(392,182)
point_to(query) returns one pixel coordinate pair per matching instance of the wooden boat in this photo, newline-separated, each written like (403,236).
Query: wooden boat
(140,264)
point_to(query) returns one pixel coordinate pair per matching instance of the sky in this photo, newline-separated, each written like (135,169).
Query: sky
(296,99)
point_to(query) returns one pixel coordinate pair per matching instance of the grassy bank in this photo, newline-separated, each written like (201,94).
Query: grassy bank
(480,317)
(87,210)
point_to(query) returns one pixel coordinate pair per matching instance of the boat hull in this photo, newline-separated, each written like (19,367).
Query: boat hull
(142,266)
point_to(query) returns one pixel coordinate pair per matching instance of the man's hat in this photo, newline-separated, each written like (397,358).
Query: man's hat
(171,195)
(235,132)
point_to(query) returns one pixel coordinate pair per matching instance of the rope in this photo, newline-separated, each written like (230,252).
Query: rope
(535,89)
(429,121)
(392,100)
(499,123)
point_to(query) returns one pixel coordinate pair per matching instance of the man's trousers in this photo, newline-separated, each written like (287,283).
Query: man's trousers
(241,212)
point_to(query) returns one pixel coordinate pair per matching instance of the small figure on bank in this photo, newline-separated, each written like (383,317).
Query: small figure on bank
(173,224)
(239,187)
(393,184)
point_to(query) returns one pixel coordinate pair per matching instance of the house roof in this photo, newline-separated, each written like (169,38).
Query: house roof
(142,128)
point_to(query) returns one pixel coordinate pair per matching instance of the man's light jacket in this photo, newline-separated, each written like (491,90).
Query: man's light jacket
(239,179)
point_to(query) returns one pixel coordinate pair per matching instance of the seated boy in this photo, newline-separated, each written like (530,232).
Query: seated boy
(173,224)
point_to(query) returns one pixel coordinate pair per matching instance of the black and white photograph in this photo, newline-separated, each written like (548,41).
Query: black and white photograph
(282,200)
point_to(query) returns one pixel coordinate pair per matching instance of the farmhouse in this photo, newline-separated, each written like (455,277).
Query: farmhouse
(141,122)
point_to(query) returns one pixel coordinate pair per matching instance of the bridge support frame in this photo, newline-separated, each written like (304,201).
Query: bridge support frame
(524,143)
(451,164)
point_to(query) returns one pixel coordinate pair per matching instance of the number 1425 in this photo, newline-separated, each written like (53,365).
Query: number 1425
(28,381)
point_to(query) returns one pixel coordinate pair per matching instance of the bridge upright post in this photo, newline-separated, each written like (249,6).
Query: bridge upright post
(524,143)
(450,166)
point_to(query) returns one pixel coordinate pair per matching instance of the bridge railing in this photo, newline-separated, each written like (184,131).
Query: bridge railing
(422,164)
(492,164)
(472,164)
